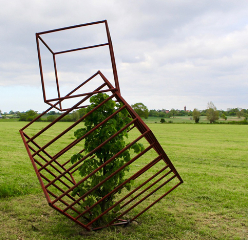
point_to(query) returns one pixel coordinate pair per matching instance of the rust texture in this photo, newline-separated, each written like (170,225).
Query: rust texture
(154,174)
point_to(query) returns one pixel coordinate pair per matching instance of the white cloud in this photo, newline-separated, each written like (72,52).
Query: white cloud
(168,53)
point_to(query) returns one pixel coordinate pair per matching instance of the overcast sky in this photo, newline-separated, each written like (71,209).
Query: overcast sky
(169,54)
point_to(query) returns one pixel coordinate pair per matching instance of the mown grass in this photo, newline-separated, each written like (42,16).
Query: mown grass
(211,204)
(189,119)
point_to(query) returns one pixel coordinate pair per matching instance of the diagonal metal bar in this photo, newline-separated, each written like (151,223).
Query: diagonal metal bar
(111,175)
(51,51)
(82,48)
(148,195)
(64,114)
(146,189)
(64,202)
(156,201)
(47,160)
(81,95)
(56,186)
(71,27)
(104,164)
(136,175)
(93,151)
(77,140)
(129,194)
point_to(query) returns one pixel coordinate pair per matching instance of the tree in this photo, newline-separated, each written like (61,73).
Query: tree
(81,112)
(212,113)
(141,109)
(162,120)
(103,154)
(28,116)
(161,114)
(224,116)
(51,118)
(51,113)
(196,115)
(153,113)
(239,112)
(173,112)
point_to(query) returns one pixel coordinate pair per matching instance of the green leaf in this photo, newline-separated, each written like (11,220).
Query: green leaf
(79,133)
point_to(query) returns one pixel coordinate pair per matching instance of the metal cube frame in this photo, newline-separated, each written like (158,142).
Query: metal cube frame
(154,178)
(39,40)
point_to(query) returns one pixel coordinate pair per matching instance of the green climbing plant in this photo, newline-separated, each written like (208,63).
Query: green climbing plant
(116,144)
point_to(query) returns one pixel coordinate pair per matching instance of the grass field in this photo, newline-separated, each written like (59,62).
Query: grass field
(212,203)
(189,119)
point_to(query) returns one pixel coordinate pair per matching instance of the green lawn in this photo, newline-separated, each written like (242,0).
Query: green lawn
(212,203)
(189,119)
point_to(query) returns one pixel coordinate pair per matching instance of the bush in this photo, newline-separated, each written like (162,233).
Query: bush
(162,120)
(28,116)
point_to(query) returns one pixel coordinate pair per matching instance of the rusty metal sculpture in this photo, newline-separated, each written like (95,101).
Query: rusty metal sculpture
(50,155)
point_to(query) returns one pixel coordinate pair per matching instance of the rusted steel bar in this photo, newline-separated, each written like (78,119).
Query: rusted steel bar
(56,186)
(54,106)
(136,175)
(70,217)
(145,182)
(52,167)
(150,138)
(82,48)
(166,159)
(70,180)
(48,155)
(80,95)
(106,80)
(156,201)
(51,173)
(41,71)
(102,144)
(62,201)
(70,159)
(146,189)
(65,109)
(68,129)
(83,83)
(111,175)
(131,128)
(129,194)
(56,77)
(50,50)
(34,120)
(141,200)
(77,140)
(111,50)
(71,27)
(93,151)
(35,168)
(104,164)
(61,116)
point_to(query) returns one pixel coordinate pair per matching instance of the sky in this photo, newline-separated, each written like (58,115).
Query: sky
(169,54)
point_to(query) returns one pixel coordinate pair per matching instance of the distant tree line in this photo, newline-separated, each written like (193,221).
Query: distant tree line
(211,113)
(51,116)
